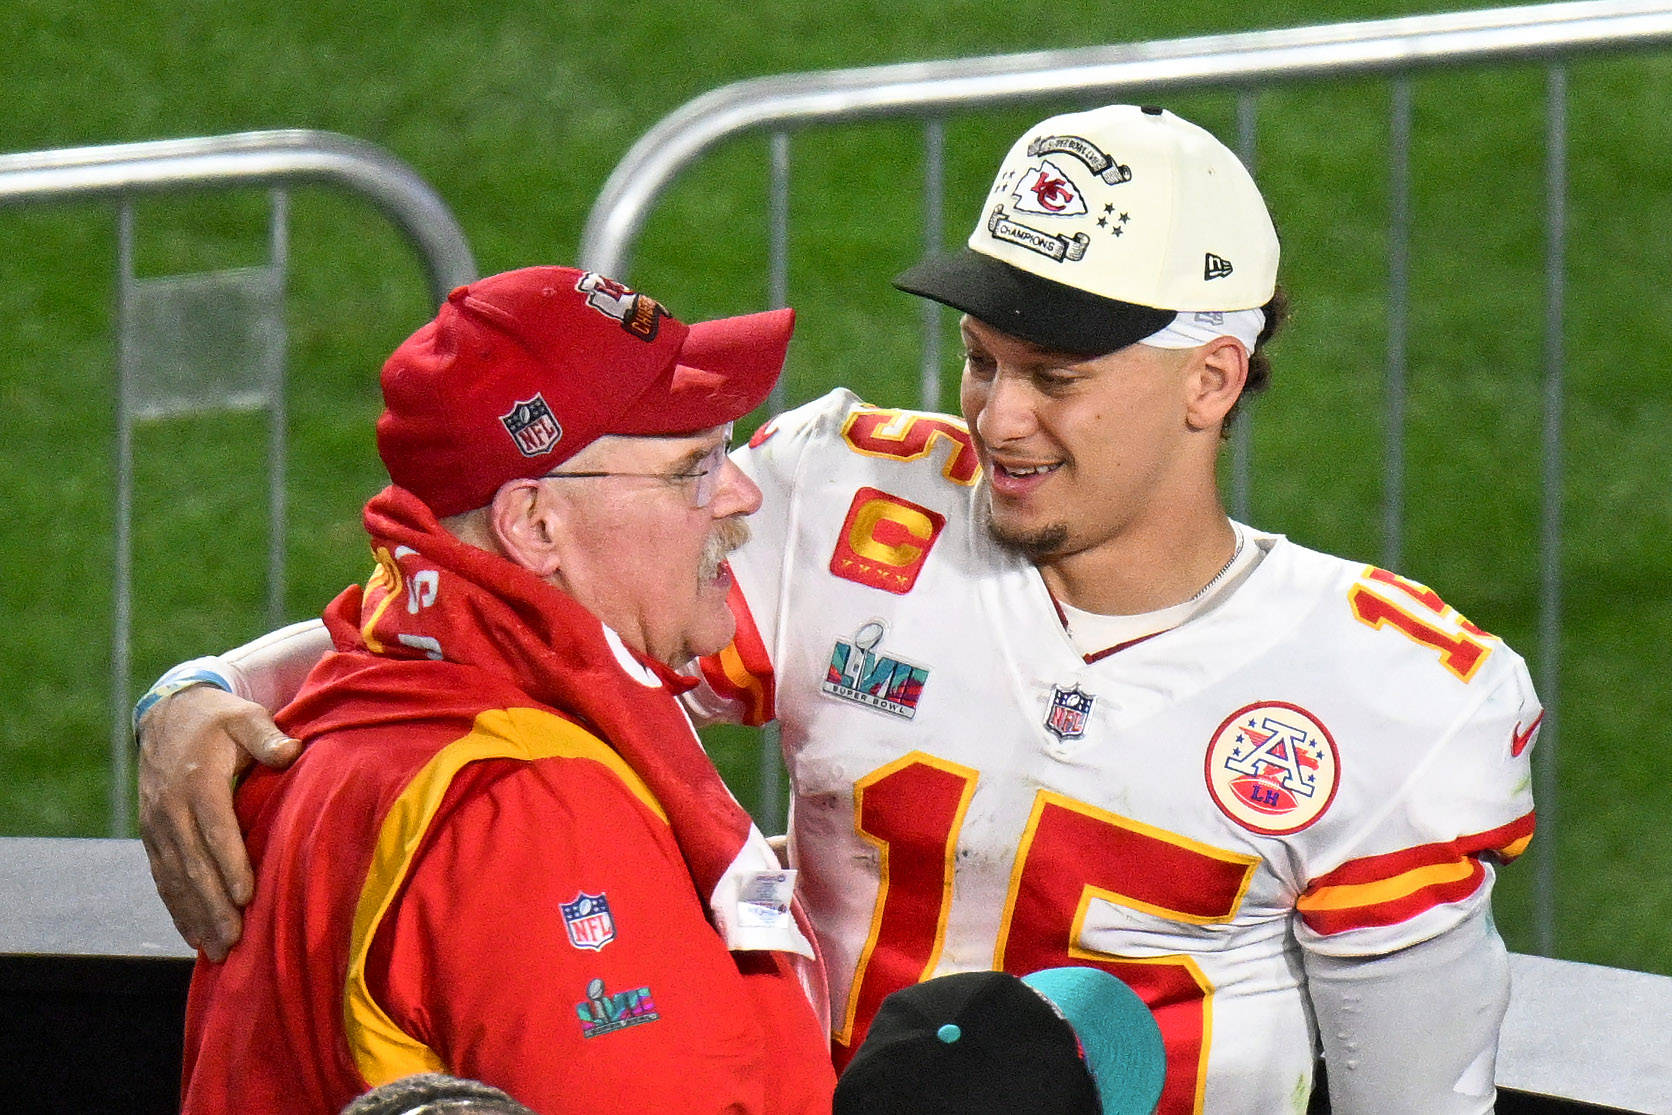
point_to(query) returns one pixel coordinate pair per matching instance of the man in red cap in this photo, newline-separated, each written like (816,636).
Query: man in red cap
(505,855)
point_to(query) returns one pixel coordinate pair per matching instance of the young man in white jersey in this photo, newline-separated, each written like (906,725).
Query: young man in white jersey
(1043,703)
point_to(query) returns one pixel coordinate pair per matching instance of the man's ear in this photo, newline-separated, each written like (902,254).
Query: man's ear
(1217,373)
(527,523)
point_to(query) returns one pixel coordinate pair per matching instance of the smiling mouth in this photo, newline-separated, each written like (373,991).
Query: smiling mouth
(1019,480)
(1025,472)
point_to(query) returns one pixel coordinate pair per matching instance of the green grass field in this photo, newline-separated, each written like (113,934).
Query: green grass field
(517,116)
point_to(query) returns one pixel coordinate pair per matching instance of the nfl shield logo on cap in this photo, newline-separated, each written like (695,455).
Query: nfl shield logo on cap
(588,920)
(532,426)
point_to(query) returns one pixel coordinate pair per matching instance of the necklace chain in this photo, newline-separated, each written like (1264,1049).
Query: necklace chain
(1224,569)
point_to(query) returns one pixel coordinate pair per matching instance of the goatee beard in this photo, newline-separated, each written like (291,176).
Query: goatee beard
(1036,545)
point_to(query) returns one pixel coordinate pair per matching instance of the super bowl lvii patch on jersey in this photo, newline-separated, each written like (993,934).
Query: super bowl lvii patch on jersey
(860,673)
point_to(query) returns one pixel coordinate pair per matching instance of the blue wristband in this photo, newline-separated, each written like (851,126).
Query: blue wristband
(183,676)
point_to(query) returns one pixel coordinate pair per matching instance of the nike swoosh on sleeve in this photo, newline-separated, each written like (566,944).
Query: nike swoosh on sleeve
(1518,739)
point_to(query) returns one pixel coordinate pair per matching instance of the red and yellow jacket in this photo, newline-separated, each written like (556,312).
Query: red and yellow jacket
(460,874)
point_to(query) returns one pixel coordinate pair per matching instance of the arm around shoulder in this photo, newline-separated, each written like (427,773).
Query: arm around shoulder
(198,729)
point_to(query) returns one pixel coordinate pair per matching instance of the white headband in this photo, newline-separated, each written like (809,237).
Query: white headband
(1190,329)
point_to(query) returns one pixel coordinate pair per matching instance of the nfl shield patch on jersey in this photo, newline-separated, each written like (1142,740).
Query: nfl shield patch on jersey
(1066,718)
(1272,767)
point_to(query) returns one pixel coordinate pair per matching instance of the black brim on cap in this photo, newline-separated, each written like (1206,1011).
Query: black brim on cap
(1034,309)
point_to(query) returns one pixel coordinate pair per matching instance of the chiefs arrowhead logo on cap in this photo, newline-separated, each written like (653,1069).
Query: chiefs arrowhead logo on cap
(639,314)
(1048,190)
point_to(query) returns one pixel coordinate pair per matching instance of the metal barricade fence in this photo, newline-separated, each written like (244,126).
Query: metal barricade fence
(1243,64)
(216,340)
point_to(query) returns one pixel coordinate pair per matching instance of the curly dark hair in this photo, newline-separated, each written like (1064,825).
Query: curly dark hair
(1259,364)
(434,1093)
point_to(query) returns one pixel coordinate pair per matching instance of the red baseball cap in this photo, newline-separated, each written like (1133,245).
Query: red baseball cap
(520,371)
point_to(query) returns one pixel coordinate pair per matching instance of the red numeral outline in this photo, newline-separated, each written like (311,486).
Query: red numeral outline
(1070,853)
(906,435)
(1461,652)
(911,810)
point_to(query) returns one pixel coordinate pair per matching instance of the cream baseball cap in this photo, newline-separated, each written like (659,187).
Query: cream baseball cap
(1102,226)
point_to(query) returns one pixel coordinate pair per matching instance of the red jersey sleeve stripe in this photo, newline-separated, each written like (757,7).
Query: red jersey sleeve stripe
(1389,903)
(1503,843)
(742,672)
(1387,889)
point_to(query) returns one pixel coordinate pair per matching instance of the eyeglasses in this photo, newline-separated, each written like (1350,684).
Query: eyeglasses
(704,477)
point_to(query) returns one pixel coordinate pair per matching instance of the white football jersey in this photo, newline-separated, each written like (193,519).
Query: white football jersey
(1328,760)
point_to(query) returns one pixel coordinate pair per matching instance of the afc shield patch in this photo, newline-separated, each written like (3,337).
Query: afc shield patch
(1272,767)
(884,541)
(532,426)
(588,921)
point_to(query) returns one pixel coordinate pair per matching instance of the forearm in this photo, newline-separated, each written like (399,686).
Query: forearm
(268,670)
(194,745)
(1416,1030)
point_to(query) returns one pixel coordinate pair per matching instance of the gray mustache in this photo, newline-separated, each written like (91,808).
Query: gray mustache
(728,536)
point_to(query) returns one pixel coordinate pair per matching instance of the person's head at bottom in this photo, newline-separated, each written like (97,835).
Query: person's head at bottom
(434,1093)
(1063,1041)
(572,426)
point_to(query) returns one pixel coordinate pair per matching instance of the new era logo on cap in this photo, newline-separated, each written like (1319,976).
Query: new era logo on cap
(1215,267)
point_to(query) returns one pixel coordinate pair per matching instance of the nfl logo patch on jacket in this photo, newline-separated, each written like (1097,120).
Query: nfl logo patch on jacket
(588,920)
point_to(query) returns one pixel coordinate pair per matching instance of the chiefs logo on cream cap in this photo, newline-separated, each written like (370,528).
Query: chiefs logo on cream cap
(1102,225)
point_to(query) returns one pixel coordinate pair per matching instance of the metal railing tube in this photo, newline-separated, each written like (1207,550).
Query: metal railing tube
(1336,50)
(254,158)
